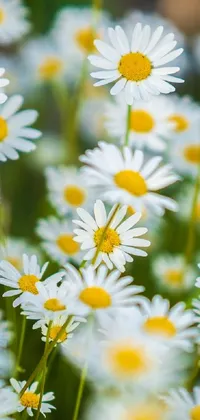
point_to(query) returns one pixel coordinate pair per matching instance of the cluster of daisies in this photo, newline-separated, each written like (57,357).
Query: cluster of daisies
(140,355)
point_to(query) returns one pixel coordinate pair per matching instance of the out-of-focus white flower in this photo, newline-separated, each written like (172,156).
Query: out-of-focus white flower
(55,328)
(183,113)
(25,281)
(127,178)
(8,403)
(136,64)
(171,273)
(185,200)
(14,73)
(149,124)
(50,151)
(67,189)
(15,133)
(13,21)
(182,405)
(118,243)
(3,82)
(14,248)
(7,363)
(5,332)
(101,292)
(29,401)
(92,118)
(57,240)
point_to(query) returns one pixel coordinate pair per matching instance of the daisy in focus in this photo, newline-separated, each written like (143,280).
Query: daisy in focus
(15,133)
(29,401)
(55,328)
(101,292)
(67,189)
(13,21)
(171,274)
(182,405)
(126,178)
(13,250)
(8,403)
(149,124)
(3,82)
(25,281)
(58,240)
(110,238)
(137,66)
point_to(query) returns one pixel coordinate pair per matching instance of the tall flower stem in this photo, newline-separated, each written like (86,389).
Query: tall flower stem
(44,357)
(128,121)
(104,233)
(80,391)
(191,230)
(20,348)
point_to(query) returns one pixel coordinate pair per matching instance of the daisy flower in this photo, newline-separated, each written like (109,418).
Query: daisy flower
(126,178)
(13,249)
(77,26)
(58,240)
(27,280)
(15,130)
(3,82)
(173,325)
(148,122)
(13,21)
(5,333)
(120,240)
(102,292)
(182,405)
(183,113)
(29,401)
(8,403)
(55,328)
(137,64)
(171,273)
(67,190)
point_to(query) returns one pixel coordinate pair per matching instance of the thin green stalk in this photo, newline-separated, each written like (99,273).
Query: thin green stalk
(128,121)
(80,391)
(82,265)
(104,233)
(20,349)
(44,357)
(191,230)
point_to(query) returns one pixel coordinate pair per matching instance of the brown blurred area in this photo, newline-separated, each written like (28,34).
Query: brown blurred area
(184,13)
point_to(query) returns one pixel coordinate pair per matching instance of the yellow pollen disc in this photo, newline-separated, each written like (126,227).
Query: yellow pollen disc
(3,129)
(131,181)
(85,39)
(192,154)
(67,244)
(174,277)
(74,195)
(110,240)
(95,297)
(29,399)
(50,68)
(146,412)
(197,211)
(195,413)
(27,283)
(160,325)
(16,262)
(135,67)
(181,123)
(2,15)
(127,360)
(54,305)
(141,121)
(54,332)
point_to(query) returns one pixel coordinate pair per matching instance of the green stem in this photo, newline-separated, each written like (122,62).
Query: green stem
(104,232)
(44,372)
(20,349)
(80,391)
(191,230)
(128,121)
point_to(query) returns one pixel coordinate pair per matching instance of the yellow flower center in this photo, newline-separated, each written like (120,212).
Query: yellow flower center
(127,360)
(74,195)
(146,412)
(174,277)
(160,325)
(195,413)
(2,15)
(131,181)
(141,121)
(110,239)
(95,297)
(67,244)
(181,123)
(30,399)
(54,305)
(85,39)
(135,67)
(50,68)
(3,129)
(54,331)
(192,154)
(27,283)
(16,262)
